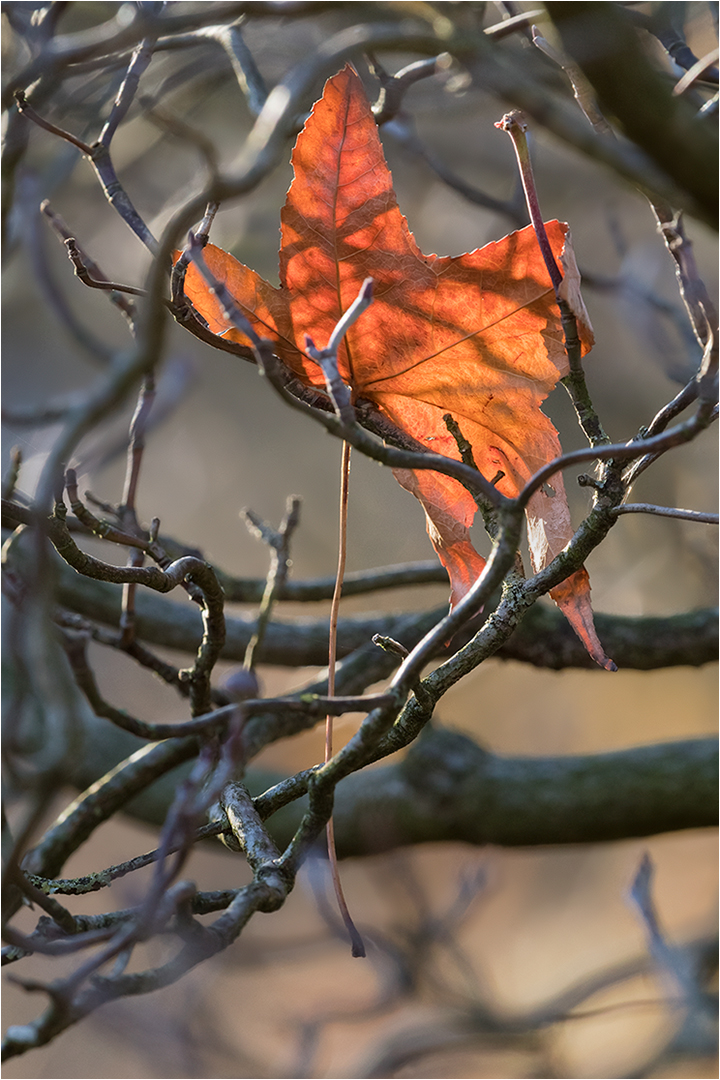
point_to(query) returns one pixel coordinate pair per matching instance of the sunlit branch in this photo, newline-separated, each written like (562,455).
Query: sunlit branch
(665,511)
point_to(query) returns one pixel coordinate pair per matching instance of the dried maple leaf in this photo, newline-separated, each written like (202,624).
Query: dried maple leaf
(477,336)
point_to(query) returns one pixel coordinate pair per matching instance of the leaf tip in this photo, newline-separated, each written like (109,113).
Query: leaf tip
(572,596)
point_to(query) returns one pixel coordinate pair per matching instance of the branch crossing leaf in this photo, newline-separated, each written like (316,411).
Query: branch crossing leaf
(477,336)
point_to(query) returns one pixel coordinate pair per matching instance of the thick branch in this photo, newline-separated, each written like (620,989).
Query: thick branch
(542,639)
(449,788)
(545,639)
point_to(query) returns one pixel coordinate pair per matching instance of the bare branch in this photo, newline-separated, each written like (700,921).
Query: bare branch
(666,511)
(279,543)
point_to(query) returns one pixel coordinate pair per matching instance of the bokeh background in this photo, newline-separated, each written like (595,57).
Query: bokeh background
(510,927)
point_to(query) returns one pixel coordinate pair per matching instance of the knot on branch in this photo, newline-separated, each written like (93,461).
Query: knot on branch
(276,884)
(441,762)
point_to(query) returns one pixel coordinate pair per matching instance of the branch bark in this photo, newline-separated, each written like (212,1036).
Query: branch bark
(447,788)
(542,639)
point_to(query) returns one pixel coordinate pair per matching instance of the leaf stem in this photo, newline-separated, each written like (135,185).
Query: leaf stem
(515,126)
(358,948)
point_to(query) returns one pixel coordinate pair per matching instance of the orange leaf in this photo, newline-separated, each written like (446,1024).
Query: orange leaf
(476,335)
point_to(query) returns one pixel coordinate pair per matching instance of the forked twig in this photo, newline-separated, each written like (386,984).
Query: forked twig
(85,267)
(279,543)
(98,154)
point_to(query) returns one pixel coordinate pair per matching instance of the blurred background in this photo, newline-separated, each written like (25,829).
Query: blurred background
(452,927)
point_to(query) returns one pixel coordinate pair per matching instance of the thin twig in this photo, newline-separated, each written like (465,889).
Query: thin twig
(679,403)
(84,265)
(581,87)
(59,914)
(27,110)
(521,21)
(22,945)
(169,673)
(187,568)
(101,879)
(99,157)
(138,63)
(340,396)
(127,512)
(666,511)
(327,358)
(83,273)
(394,87)
(676,436)
(49,282)
(243,63)
(279,543)
(659,423)
(700,308)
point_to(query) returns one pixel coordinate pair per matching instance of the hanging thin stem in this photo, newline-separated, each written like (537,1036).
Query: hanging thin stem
(358,948)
